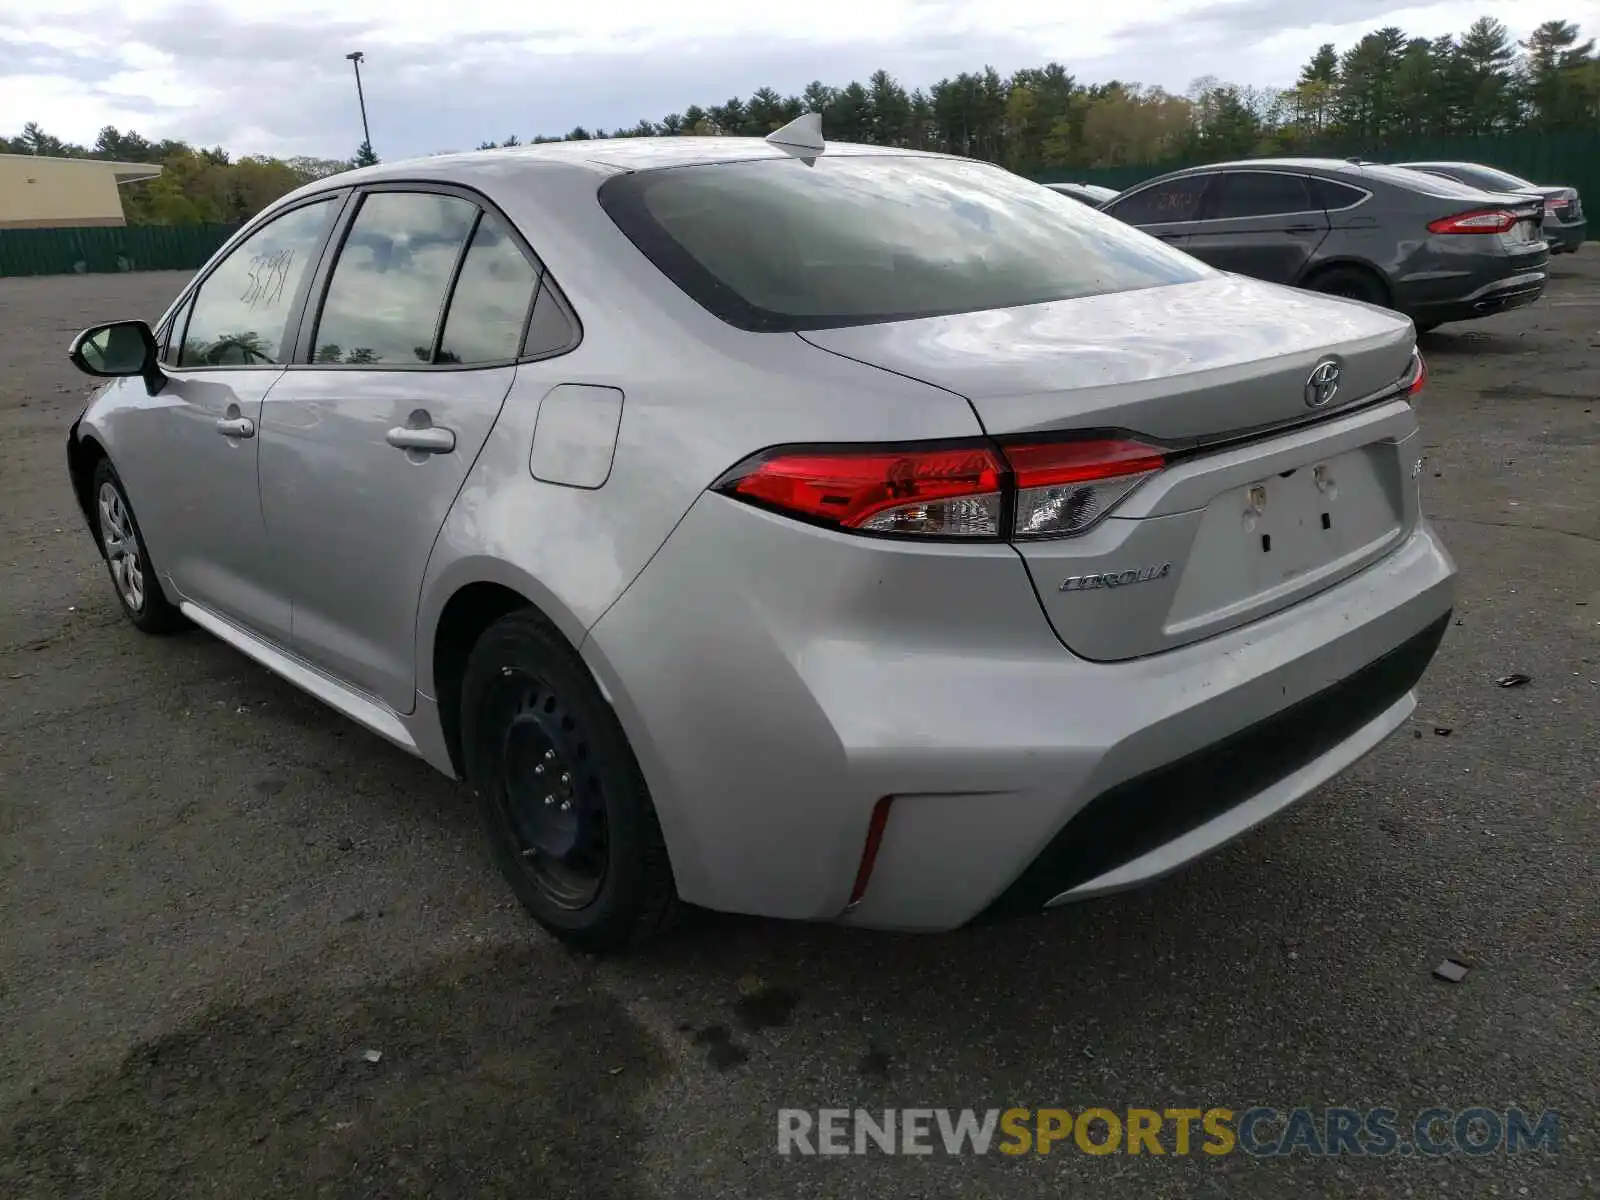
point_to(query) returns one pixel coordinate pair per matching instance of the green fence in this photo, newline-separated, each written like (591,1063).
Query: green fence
(1572,159)
(109,248)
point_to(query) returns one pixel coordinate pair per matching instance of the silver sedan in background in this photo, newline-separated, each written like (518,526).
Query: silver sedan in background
(831,533)
(1565,227)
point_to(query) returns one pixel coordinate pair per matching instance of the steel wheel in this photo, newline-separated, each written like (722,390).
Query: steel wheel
(122,547)
(551,798)
(564,805)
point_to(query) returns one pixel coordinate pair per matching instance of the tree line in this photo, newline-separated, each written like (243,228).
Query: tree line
(1387,87)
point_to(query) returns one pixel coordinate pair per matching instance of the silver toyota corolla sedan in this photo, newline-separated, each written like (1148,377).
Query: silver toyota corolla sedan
(833,533)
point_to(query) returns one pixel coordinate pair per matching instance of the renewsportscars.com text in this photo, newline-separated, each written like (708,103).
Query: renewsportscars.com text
(1260,1132)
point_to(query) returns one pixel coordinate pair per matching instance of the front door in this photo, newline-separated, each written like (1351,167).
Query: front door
(1265,224)
(364,448)
(198,496)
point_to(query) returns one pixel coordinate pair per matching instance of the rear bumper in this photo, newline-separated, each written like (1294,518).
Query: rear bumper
(1155,822)
(1501,295)
(776,681)
(1566,239)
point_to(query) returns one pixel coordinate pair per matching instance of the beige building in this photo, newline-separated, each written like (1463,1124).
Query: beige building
(39,191)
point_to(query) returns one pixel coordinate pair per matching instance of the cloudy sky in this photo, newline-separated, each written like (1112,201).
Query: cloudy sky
(447,74)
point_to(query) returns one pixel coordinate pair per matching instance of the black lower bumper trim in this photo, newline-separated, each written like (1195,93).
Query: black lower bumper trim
(1145,812)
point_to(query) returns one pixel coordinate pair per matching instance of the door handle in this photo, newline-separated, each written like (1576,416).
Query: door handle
(239,427)
(429,440)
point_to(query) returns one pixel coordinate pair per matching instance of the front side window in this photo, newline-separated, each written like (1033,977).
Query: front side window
(1162,203)
(489,306)
(240,315)
(172,336)
(1257,194)
(780,244)
(387,289)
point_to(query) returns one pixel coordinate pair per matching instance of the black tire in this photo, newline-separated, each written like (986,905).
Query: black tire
(1352,283)
(560,794)
(134,578)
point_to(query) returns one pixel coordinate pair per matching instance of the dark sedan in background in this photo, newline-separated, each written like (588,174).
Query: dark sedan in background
(1565,226)
(1421,244)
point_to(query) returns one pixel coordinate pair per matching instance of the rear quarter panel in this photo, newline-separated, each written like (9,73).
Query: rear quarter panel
(698,397)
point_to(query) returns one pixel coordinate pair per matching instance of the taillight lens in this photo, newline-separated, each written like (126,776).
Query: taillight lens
(1065,487)
(1030,489)
(941,492)
(1481,220)
(1417,376)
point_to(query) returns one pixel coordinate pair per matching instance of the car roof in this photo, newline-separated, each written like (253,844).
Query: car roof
(605,156)
(1325,166)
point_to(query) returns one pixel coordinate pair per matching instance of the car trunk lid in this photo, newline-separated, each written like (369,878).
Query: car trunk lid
(1561,202)
(1274,489)
(1186,362)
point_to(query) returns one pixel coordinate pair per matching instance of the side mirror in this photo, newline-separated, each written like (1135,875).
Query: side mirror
(119,350)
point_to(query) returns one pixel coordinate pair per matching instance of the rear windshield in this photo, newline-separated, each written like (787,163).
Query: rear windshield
(1488,177)
(1421,181)
(777,244)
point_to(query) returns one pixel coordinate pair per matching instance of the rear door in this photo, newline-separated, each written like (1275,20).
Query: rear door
(1166,209)
(1266,224)
(367,439)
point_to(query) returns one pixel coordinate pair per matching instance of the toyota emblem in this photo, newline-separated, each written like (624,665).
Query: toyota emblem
(1323,384)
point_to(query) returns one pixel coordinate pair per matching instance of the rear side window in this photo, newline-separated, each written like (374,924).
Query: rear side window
(387,290)
(489,306)
(1333,196)
(1258,194)
(1162,203)
(777,244)
(549,331)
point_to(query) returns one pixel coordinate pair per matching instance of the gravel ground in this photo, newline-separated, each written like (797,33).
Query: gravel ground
(216,897)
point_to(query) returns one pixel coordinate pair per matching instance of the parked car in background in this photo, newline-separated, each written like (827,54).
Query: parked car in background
(1565,226)
(1426,246)
(1091,194)
(743,536)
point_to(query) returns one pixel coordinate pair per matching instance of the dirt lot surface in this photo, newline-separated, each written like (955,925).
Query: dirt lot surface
(216,896)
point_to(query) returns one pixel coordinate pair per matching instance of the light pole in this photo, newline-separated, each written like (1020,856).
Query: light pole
(356,58)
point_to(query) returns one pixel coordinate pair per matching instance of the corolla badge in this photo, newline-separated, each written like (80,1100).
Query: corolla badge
(1114,579)
(1323,383)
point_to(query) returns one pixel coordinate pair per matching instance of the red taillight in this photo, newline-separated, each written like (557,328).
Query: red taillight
(1480,220)
(1044,463)
(1050,489)
(953,491)
(1418,377)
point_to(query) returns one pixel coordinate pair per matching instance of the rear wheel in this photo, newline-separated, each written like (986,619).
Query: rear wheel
(1352,283)
(562,800)
(133,577)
